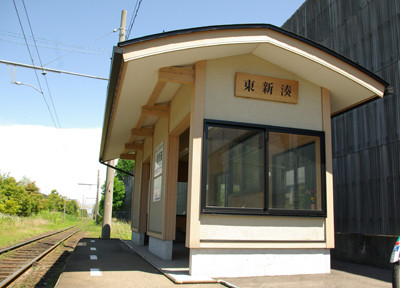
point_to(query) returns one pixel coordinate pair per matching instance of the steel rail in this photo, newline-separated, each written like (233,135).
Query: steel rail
(33,240)
(16,274)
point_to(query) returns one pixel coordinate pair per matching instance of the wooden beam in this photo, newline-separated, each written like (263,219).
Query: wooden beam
(156,93)
(182,75)
(142,132)
(127,156)
(156,110)
(134,146)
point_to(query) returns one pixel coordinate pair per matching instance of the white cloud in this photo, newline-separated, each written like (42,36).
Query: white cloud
(53,158)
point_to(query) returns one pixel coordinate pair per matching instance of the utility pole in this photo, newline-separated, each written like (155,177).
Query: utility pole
(108,200)
(96,215)
(64,212)
(122,28)
(108,194)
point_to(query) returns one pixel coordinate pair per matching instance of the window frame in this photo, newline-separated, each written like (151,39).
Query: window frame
(266,211)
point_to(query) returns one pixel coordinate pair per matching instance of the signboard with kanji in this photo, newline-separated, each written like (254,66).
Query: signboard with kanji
(266,88)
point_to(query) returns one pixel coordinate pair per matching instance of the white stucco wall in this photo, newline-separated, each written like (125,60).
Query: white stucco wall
(261,228)
(180,106)
(221,104)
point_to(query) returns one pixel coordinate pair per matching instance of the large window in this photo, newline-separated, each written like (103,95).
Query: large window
(262,170)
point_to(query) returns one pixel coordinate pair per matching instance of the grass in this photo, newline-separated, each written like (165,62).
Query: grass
(93,230)
(16,229)
(119,229)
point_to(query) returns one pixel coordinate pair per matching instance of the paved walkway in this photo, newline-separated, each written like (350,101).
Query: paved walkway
(112,263)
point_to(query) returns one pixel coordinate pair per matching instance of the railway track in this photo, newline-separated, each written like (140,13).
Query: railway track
(15,260)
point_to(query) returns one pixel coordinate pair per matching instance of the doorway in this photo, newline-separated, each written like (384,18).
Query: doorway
(181,197)
(144,200)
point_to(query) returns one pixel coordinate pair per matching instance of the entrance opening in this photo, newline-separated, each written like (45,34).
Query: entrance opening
(181,197)
(144,200)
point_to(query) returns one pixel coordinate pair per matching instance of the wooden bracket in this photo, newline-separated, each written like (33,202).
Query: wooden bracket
(134,146)
(127,156)
(182,75)
(156,110)
(147,132)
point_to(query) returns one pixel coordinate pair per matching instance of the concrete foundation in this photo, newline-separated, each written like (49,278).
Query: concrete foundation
(138,238)
(258,262)
(160,248)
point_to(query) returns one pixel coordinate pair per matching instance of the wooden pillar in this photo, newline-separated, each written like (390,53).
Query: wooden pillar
(326,126)
(195,156)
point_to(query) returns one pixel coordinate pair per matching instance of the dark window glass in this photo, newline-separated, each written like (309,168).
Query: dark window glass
(235,165)
(295,179)
(263,170)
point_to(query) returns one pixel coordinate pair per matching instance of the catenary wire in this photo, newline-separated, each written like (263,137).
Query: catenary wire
(130,23)
(41,65)
(43,42)
(135,13)
(101,37)
(30,54)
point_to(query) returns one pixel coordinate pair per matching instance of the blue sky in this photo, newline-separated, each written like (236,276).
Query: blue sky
(61,25)
(84,26)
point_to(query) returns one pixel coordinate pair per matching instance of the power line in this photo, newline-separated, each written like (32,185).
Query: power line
(101,37)
(59,45)
(41,64)
(30,54)
(135,12)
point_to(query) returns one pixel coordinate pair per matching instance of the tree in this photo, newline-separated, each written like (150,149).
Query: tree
(11,196)
(38,201)
(71,207)
(55,201)
(125,165)
(23,198)
(118,196)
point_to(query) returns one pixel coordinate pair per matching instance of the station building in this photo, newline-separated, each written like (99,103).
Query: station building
(230,128)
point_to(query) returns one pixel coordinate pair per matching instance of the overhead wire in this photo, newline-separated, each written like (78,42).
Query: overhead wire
(41,65)
(14,38)
(133,18)
(101,37)
(30,54)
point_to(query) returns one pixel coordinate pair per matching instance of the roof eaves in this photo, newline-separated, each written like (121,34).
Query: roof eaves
(116,65)
(256,26)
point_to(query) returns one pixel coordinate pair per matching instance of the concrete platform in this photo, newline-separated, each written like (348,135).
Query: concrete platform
(111,263)
(114,263)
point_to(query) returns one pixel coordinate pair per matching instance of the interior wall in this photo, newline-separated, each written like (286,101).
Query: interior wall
(156,206)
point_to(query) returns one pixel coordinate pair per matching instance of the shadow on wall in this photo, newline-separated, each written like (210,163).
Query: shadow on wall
(365,249)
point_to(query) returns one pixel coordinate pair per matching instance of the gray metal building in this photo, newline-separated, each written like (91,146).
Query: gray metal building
(366,140)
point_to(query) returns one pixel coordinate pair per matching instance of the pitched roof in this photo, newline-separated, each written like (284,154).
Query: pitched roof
(137,62)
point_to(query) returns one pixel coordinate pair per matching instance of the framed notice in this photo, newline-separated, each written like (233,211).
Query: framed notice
(157,189)
(158,161)
(266,88)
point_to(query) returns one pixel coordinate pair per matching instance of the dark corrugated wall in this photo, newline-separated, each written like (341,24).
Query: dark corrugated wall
(366,140)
